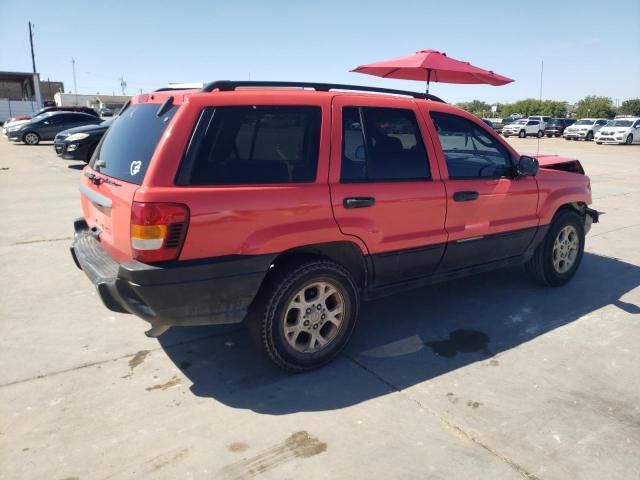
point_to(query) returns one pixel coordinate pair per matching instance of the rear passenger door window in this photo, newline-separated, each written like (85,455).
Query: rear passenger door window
(469,150)
(253,145)
(381,145)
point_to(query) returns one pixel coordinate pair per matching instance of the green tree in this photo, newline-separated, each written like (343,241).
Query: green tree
(631,107)
(476,107)
(593,106)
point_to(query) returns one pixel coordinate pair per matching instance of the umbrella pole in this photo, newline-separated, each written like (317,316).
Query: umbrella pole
(428,79)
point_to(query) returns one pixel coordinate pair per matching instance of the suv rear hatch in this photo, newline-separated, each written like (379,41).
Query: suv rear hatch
(117,170)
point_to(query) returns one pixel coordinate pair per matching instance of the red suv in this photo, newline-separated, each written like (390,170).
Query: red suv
(285,205)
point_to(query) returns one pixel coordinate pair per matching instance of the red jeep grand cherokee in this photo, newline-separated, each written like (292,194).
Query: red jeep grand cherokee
(287,206)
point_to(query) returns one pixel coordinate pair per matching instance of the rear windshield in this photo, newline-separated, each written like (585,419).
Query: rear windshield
(129,143)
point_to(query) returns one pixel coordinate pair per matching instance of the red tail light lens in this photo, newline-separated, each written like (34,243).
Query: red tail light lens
(158,231)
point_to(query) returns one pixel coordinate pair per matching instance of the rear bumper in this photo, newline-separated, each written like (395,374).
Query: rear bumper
(202,292)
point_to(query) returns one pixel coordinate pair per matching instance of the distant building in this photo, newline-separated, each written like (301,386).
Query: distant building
(21,86)
(113,102)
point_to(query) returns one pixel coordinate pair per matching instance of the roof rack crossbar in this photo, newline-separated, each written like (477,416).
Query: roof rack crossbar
(230,85)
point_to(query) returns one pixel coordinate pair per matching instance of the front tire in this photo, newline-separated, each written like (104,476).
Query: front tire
(31,138)
(309,313)
(556,260)
(522,134)
(589,136)
(629,139)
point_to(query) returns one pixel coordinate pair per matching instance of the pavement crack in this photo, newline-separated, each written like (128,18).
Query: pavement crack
(43,240)
(615,230)
(450,426)
(114,359)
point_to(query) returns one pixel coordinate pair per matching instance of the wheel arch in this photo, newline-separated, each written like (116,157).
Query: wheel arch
(345,253)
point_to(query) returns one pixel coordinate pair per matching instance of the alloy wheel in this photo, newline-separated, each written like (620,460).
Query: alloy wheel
(565,249)
(31,139)
(314,317)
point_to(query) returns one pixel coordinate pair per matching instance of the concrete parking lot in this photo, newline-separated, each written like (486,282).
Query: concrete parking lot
(486,377)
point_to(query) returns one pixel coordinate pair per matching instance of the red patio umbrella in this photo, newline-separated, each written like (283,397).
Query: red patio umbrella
(432,65)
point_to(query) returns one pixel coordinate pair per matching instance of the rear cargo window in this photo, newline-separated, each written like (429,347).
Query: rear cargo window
(129,143)
(253,145)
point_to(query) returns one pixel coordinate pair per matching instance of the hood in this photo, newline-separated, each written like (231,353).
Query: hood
(557,162)
(85,129)
(17,123)
(613,129)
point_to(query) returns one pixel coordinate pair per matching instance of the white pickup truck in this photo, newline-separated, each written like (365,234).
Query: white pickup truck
(524,128)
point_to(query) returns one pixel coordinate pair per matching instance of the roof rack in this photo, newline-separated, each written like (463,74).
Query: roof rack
(171,89)
(230,85)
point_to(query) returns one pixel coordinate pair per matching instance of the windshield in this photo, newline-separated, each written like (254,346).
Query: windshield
(128,145)
(584,122)
(620,123)
(520,122)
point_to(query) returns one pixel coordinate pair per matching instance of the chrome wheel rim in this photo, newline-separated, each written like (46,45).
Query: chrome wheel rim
(314,317)
(565,249)
(31,138)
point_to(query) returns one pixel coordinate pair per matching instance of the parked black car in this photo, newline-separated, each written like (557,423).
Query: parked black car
(105,112)
(79,143)
(46,126)
(557,125)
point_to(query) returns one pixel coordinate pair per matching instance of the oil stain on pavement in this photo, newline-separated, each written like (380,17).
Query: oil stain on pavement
(461,341)
(299,445)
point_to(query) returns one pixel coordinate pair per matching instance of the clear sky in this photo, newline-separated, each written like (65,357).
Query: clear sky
(588,47)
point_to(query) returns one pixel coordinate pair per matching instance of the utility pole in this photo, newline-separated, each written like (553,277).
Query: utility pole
(75,86)
(123,85)
(33,57)
(541,73)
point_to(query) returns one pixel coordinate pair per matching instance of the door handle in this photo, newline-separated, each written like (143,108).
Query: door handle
(465,196)
(358,202)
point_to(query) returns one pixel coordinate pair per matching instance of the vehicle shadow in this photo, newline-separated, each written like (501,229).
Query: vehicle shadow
(406,339)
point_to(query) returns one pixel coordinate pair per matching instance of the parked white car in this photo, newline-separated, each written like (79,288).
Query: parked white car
(621,130)
(524,128)
(585,129)
(544,120)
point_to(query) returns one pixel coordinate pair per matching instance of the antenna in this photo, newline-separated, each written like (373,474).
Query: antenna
(123,85)
(540,101)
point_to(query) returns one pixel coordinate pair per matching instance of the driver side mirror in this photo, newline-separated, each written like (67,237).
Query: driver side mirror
(527,166)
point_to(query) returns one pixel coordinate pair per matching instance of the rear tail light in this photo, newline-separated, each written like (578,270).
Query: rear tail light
(158,231)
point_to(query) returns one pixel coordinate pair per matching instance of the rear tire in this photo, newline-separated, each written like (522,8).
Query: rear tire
(540,134)
(31,138)
(556,260)
(308,313)
(629,139)
(522,134)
